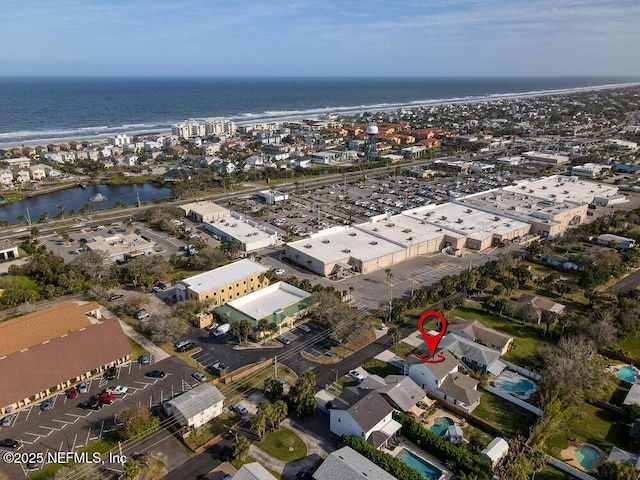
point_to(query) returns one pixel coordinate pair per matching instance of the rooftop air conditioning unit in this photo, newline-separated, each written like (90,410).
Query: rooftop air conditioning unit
(443,217)
(406,230)
(373,242)
(496,219)
(352,234)
(468,210)
(346,250)
(375,229)
(459,220)
(325,241)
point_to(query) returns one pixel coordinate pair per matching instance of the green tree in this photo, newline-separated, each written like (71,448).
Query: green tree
(131,469)
(259,423)
(273,389)
(263,324)
(242,329)
(135,421)
(617,471)
(241,446)
(534,249)
(482,283)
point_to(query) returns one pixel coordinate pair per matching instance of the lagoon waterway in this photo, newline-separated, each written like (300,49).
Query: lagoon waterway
(76,198)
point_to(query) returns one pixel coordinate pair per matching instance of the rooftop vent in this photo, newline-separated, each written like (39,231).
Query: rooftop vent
(373,242)
(307,245)
(346,250)
(496,219)
(352,234)
(459,220)
(325,241)
(375,229)
(443,217)
(406,230)
(468,210)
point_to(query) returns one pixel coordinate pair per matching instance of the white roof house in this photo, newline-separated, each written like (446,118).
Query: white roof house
(121,246)
(251,235)
(495,451)
(197,406)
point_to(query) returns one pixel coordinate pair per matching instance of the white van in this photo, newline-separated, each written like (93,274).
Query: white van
(222,329)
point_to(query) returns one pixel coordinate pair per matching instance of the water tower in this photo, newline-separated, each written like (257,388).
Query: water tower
(371,149)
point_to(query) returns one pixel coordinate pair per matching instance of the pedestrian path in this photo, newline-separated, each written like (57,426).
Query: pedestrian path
(152,348)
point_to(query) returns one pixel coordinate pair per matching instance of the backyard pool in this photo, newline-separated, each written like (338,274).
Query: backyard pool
(586,455)
(441,425)
(423,467)
(515,384)
(627,374)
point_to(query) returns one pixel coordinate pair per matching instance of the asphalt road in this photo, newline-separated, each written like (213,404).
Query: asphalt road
(626,284)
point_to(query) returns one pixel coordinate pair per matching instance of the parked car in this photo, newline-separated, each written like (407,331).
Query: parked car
(72,392)
(155,374)
(283,340)
(186,347)
(10,443)
(213,326)
(279,271)
(304,328)
(199,377)
(120,390)
(106,398)
(91,404)
(356,375)
(142,313)
(145,359)
(47,404)
(110,374)
(239,409)
(6,421)
(222,329)
(114,298)
(83,387)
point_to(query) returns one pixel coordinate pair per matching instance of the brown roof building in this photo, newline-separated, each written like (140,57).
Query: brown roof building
(37,327)
(476,331)
(54,364)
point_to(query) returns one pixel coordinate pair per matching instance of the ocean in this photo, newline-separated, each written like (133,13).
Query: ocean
(39,110)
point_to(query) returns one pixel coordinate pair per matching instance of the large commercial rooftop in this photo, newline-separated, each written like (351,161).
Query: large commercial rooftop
(243,231)
(402,229)
(464,221)
(334,244)
(561,189)
(207,281)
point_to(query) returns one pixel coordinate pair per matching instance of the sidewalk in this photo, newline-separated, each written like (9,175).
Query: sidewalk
(147,344)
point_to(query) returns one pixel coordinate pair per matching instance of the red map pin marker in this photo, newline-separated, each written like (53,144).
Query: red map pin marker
(432,340)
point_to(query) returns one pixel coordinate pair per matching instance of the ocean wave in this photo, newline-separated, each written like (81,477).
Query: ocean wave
(35,137)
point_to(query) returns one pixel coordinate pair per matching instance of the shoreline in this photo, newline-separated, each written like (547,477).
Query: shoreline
(283,116)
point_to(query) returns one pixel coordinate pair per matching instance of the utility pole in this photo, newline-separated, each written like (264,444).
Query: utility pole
(28,216)
(275,366)
(390,301)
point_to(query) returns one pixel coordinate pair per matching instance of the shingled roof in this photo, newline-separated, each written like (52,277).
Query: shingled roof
(37,327)
(55,361)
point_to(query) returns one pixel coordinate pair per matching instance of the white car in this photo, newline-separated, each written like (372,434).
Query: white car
(356,375)
(120,390)
(279,271)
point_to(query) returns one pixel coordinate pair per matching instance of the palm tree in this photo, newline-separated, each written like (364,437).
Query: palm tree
(259,424)
(263,324)
(61,209)
(20,218)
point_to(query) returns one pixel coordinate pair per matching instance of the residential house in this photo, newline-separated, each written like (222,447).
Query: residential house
(6,178)
(399,390)
(257,162)
(495,451)
(195,407)
(442,380)
(559,261)
(37,172)
(363,414)
(346,463)
(472,354)
(22,175)
(253,471)
(621,456)
(455,434)
(21,162)
(8,250)
(477,332)
(177,175)
(530,307)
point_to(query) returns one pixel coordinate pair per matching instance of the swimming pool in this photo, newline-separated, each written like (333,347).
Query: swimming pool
(515,384)
(586,455)
(423,467)
(441,425)
(627,374)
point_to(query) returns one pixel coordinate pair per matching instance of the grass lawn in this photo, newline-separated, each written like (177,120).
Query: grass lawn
(599,427)
(283,444)
(380,368)
(136,350)
(402,349)
(631,345)
(551,473)
(218,425)
(238,463)
(618,395)
(506,416)
(528,338)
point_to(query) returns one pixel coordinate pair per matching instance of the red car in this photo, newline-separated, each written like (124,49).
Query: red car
(106,397)
(72,392)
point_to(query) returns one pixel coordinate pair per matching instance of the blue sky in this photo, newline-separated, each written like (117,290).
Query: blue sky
(320,37)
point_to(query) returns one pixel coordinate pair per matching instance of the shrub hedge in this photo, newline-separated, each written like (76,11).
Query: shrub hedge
(389,464)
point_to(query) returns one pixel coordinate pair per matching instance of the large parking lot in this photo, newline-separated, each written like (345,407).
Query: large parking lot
(67,428)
